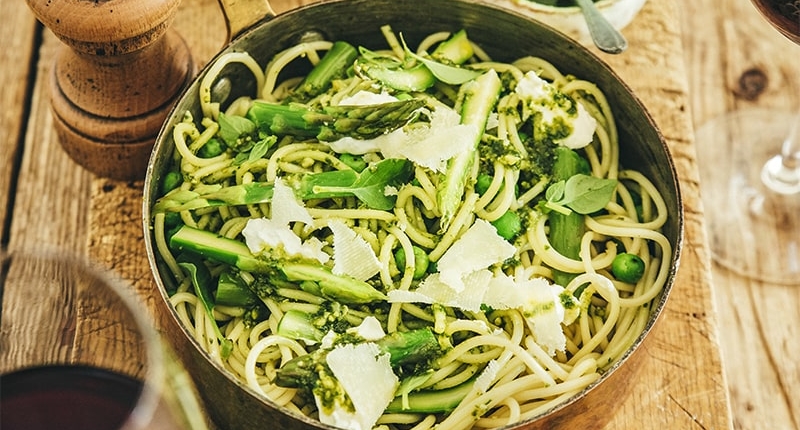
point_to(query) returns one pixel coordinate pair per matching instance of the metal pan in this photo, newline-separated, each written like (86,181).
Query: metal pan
(504,35)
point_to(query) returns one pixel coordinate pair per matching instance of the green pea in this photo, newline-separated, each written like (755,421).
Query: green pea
(421,261)
(212,148)
(627,267)
(508,226)
(432,267)
(482,183)
(354,162)
(172,180)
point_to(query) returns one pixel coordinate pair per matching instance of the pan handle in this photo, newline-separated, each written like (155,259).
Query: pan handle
(243,14)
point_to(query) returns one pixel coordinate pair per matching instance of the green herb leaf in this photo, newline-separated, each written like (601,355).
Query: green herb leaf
(233,128)
(589,194)
(369,186)
(555,192)
(202,282)
(448,74)
(327,184)
(583,194)
(261,147)
(240,158)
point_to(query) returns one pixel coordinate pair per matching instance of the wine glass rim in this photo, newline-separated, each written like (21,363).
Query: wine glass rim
(153,380)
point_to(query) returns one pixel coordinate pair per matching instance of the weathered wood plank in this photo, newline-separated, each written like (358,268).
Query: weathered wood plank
(736,60)
(52,199)
(18,32)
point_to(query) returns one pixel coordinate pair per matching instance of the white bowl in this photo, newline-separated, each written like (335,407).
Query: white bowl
(569,20)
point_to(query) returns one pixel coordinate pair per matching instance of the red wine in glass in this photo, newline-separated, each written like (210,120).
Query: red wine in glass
(66,397)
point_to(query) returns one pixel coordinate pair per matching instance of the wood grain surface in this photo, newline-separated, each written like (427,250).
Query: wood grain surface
(736,60)
(50,204)
(720,340)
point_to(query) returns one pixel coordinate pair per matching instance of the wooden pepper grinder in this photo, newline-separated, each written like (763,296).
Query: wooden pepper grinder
(115,80)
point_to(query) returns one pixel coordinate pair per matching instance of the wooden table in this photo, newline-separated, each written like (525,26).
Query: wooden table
(720,343)
(735,60)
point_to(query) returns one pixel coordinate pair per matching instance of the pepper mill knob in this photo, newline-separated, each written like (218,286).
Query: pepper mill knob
(115,80)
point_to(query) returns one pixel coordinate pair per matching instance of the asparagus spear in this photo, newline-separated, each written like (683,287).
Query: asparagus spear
(442,65)
(404,349)
(212,246)
(480,96)
(334,64)
(334,122)
(368,186)
(566,231)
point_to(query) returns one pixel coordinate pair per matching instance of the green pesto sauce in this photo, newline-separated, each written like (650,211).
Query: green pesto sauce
(567,300)
(331,393)
(539,309)
(559,128)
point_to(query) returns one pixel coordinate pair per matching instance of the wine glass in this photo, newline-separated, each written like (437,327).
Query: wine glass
(750,179)
(83,352)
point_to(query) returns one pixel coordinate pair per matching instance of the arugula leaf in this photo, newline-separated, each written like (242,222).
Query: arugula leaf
(448,74)
(326,184)
(369,186)
(581,193)
(202,282)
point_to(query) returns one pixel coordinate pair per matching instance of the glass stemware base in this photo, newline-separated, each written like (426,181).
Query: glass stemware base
(753,230)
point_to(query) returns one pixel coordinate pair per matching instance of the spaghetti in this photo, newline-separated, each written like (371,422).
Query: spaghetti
(520,377)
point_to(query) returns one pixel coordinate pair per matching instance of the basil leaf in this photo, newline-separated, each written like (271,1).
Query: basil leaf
(261,147)
(587,194)
(555,192)
(232,128)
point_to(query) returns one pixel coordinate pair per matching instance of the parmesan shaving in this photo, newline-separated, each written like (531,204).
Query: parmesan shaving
(541,303)
(461,258)
(286,207)
(275,234)
(352,255)
(367,378)
(554,108)
(427,145)
(369,329)
(264,234)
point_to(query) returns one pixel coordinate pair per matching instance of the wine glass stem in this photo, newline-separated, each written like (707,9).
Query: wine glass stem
(781,173)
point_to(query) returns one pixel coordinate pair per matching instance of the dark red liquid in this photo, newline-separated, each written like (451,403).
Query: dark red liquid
(66,398)
(783,14)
